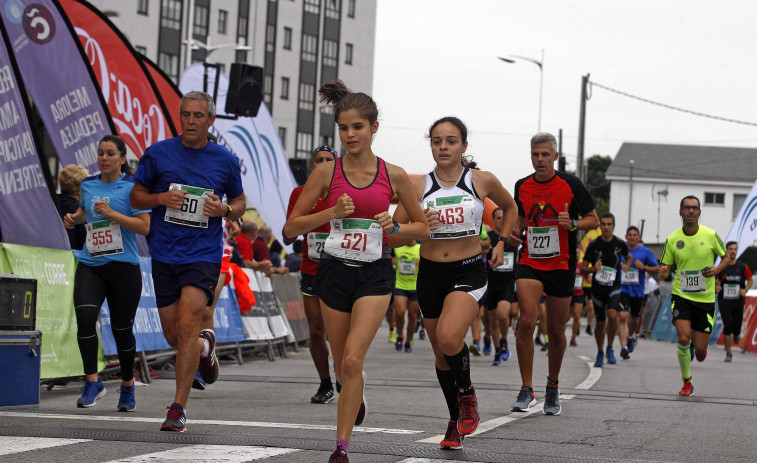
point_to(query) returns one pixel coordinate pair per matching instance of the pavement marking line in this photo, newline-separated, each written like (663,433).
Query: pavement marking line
(594,375)
(10,445)
(252,424)
(209,453)
(427,460)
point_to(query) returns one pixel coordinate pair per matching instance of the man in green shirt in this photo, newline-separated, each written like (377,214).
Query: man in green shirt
(691,251)
(406,259)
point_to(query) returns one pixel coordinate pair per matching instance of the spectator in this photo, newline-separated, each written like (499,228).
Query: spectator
(246,249)
(260,244)
(294,259)
(69,181)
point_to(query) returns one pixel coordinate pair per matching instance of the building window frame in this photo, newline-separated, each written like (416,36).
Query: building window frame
(287,38)
(330,53)
(284,88)
(309,50)
(223,22)
(738,201)
(348,51)
(170,14)
(283,136)
(201,20)
(714,199)
(143,6)
(350,8)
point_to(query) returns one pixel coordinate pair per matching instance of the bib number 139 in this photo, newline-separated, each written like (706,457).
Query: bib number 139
(355,241)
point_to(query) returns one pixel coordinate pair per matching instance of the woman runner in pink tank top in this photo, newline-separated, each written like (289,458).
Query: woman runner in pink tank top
(355,277)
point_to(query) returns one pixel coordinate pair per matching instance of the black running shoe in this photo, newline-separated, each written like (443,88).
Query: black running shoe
(209,365)
(324,395)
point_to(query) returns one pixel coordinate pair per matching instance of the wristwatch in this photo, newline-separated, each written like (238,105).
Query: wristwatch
(575,225)
(396,228)
(229,211)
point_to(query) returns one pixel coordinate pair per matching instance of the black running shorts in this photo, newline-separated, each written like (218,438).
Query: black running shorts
(339,285)
(605,298)
(701,314)
(499,292)
(557,283)
(437,279)
(632,304)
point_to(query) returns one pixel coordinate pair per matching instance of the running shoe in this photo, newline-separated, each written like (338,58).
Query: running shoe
(363,409)
(545,347)
(728,357)
(475,348)
(209,365)
(198,383)
(505,350)
(339,455)
(487,346)
(588,330)
(392,335)
(552,401)
(453,440)
(573,341)
(526,399)
(624,353)
(468,420)
(338,387)
(90,392)
(611,356)
(538,341)
(687,390)
(422,334)
(176,420)
(409,346)
(700,358)
(324,395)
(127,402)
(497,360)
(600,359)
(398,343)
(630,345)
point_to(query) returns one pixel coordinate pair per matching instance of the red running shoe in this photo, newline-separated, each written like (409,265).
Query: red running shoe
(687,390)
(176,420)
(468,421)
(452,439)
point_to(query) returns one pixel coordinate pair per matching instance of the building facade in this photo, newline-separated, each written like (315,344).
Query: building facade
(300,44)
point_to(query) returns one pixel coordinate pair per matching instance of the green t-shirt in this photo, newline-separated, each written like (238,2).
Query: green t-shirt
(690,254)
(407,266)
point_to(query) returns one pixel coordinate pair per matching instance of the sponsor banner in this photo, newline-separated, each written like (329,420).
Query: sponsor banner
(266,176)
(748,326)
(54,271)
(277,319)
(67,99)
(744,228)
(254,321)
(665,330)
(167,90)
(24,193)
(136,110)
(287,290)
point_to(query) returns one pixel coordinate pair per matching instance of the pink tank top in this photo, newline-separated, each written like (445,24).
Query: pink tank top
(368,201)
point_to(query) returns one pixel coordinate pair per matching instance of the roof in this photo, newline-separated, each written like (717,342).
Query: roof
(686,162)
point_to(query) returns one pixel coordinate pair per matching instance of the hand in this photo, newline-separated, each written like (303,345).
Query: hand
(385,221)
(663,271)
(103,207)
(563,218)
(514,238)
(498,253)
(742,292)
(598,265)
(638,264)
(432,218)
(173,198)
(343,206)
(709,272)
(213,206)
(234,229)
(69,221)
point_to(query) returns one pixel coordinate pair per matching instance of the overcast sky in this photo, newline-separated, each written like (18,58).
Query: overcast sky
(439,57)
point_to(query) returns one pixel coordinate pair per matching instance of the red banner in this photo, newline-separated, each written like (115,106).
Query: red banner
(131,96)
(167,90)
(748,326)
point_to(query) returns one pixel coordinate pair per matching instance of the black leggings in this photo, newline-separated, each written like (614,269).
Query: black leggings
(732,314)
(121,283)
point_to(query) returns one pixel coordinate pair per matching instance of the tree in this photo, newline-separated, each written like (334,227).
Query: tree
(597,184)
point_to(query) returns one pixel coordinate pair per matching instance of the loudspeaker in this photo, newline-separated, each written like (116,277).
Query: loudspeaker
(245,90)
(299,170)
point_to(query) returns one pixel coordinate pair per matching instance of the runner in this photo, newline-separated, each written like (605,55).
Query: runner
(355,277)
(314,240)
(692,250)
(182,180)
(732,285)
(632,287)
(603,259)
(405,294)
(108,267)
(548,204)
(500,291)
(451,276)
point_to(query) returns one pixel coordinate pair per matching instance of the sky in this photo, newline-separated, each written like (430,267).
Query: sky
(435,58)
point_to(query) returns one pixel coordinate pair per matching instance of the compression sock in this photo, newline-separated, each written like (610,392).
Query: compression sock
(460,366)
(684,360)
(447,382)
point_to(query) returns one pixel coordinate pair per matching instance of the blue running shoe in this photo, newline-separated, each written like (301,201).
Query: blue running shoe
(505,351)
(497,360)
(398,343)
(611,356)
(631,345)
(422,334)
(409,346)
(600,359)
(487,346)
(176,420)
(91,391)
(127,402)
(198,383)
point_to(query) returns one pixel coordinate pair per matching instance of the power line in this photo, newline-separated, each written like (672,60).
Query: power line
(688,111)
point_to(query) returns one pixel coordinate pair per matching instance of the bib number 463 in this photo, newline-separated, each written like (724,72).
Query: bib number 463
(353,241)
(101,237)
(452,215)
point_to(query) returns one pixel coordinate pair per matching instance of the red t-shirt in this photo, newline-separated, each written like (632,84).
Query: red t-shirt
(308,266)
(244,246)
(260,250)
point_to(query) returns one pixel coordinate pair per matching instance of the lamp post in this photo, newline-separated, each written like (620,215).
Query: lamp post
(194,44)
(513,58)
(630,192)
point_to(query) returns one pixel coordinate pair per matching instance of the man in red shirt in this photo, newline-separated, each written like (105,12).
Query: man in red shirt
(246,249)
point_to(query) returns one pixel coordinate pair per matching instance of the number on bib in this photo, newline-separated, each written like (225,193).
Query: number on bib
(190,214)
(543,242)
(731,291)
(692,281)
(104,238)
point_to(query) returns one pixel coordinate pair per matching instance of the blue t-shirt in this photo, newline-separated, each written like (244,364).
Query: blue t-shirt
(647,258)
(211,167)
(117,193)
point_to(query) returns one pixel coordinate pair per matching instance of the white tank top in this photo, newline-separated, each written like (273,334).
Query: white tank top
(460,208)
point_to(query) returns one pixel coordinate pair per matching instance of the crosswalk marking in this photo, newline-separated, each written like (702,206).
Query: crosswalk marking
(10,445)
(209,454)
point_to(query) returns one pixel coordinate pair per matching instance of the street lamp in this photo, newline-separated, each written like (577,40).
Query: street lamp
(195,44)
(513,58)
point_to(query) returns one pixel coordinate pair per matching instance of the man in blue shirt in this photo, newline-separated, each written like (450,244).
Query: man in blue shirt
(632,287)
(182,180)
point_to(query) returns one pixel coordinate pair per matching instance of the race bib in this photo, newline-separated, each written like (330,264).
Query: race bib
(315,245)
(104,238)
(631,277)
(355,241)
(543,242)
(731,291)
(692,281)
(606,275)
(456,217)
(190,214)
(578,283)
(406,267)
(508,263)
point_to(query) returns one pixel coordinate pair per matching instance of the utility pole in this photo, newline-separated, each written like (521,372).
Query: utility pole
(561,159)
(630,193)
(582,129)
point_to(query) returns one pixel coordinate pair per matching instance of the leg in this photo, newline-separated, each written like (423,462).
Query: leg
(683,330)
(612,326)
(599,330)
(400,308)
(207,312)
(475,325)
(319,350)
(124,290)
(727,316)
(557,311)
(622,327)
(503,318)
(529,294)
(413,311)
(493,322)
(578,307)
(89,293)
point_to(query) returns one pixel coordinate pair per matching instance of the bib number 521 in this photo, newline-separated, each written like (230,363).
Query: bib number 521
(101,237)
(353,241)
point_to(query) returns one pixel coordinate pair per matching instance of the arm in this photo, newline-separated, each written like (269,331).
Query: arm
(712,271)
(502,198)
(70,220)
(300,221)
(139,223)
(520,224)
(417,228)
(141,198)
(627,264)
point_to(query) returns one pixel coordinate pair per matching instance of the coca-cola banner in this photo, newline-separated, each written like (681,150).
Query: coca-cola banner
(58,80)
(135,108)
(167,90)
(28,214)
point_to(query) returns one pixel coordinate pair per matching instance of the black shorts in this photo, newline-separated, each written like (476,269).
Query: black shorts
(587,292)
(437,279)
(701,314)
(499,292)
(557,283)
(339,285)
(170,278)
(306,284)
(732,313)
(605,299)
(632,304)
(408,293)
(578,299)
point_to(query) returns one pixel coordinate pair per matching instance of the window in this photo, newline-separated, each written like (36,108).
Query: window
(330,53)
(738,201)
(348,54)
(140,49)
(242,30)
(313,6)
(304,145)
(307,97)
(332,9)
(309,47)
(287,38)
(350,8)
(169,64)
(268,89)
(283,136)
(270,37)
(285,88)
(170,14)
(223,17)
(201,21)
(714,199)
(142,7)
(327,140)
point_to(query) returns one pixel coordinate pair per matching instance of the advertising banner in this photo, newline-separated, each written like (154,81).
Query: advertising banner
(58,79)
(254,321)
(167,90)
(287,290)
(277,319)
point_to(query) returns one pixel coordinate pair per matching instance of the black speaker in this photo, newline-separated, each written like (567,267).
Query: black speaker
(245,90)
(299,170)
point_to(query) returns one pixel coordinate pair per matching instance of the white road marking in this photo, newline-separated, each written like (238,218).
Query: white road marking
(594,375)
(10,445)
(209,454)
(425,460)
(191,421)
